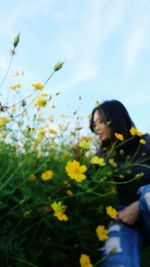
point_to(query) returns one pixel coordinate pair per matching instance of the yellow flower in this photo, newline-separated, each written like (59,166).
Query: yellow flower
(69,193)
(51,118)
(113,189)
(97,103)
(66,183)
(85,261)
(3,121)
(98,160)
(27,214)
(14,109)
(61,127)
(16,86)
(112,162)
(41,135)
(40,102)
(76,171)
(61,216)
(142,141)
(40,119)
(57,206)
(45,95)
(59,210)
(62,115)
(134,131)
(52,131)
(84,144)
(121,176)
(58,66)
(47,175)
(32,177)
(38,86)
(111,212)
(120,137)
(66,154)
(102,232)
(17,73)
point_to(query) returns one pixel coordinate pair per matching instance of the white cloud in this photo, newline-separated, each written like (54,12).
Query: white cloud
(134,48)
(138,98)
(18,12)
(137,36)
(86,42)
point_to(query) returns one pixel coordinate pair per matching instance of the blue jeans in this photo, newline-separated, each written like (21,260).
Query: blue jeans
(124,245)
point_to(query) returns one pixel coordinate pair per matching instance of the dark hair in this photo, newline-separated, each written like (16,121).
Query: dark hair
(116,115)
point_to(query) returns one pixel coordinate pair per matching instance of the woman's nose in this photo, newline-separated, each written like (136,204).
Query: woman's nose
(97,128)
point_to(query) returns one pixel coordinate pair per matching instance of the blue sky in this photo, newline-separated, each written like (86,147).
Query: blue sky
(104,43)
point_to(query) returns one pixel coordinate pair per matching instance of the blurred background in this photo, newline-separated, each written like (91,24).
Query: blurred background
(104,45)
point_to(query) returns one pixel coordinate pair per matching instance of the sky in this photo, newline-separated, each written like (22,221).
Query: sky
(104,45)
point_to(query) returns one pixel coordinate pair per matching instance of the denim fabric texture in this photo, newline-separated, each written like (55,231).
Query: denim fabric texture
(125,243)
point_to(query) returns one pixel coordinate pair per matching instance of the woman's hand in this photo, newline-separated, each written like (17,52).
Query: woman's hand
(129,214)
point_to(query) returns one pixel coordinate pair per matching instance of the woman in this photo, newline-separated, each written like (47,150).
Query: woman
(131,230)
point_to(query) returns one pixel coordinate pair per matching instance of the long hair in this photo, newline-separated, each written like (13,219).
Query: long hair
(116,116)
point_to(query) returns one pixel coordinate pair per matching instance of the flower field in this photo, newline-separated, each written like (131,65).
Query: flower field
(56,194)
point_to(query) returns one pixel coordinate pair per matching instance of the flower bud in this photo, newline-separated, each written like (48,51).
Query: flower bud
(58,66)
(16,40)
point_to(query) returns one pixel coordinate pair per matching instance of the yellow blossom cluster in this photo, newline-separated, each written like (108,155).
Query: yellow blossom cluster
(76,171)
(98,161)
(59,210)
(135,132)
(15,87)
(85,261)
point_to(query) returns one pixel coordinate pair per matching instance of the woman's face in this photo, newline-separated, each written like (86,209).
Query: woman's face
(100,126)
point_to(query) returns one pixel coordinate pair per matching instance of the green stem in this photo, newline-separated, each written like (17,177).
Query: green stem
(7,181)
(42,249)
(12,209)
(124,182)
(49,78)
(23,261)
(8,68)
(101,260)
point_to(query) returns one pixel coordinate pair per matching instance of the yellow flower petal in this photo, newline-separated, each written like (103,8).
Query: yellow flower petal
(47,175)
(38,86)
(119,137)
(111,212)
(75,170)
(102,232)
(85,261)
